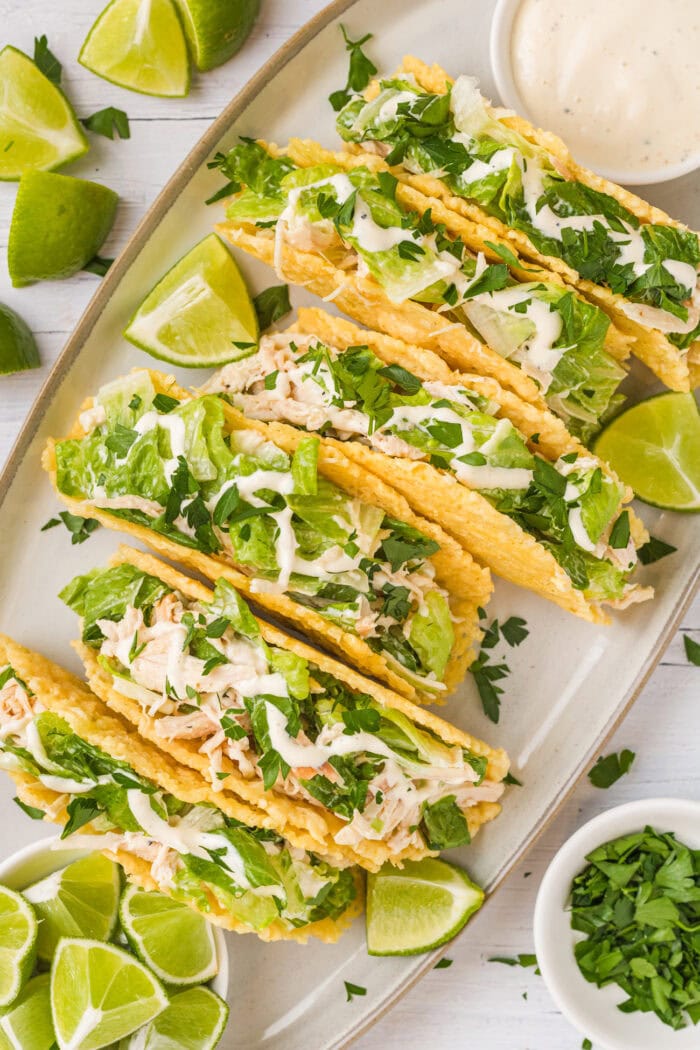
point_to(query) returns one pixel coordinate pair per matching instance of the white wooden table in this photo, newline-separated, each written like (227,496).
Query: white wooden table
(474,1002)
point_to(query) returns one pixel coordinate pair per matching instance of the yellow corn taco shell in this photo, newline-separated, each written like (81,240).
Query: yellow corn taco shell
(493,538)
(649,345)
(65,695)
(468,585)
(290,817)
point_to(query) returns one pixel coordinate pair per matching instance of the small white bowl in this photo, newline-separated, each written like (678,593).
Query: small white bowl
(502,68)
(40,859)
(591,1009)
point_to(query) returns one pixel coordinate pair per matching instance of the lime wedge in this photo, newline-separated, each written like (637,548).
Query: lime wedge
(169,937)
(18,934)
(27,1025)
(99,994)
(82,900)
(194,1020)
(38,128)
(17,347)
(139,45)
(198,312)
(216,29)
(58,225)
(655,448)
(418,907)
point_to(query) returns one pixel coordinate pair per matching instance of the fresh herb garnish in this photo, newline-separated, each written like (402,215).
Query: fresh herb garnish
(508,256)
(654,550)
(586,1045)
(360,71)
(608,770)
(46,61)
(108,122)
(98,265)
(638,902)
(486,674)
(164,403)
(272,304)
(620,535)
(524,959)
(514,630)
(443,964)
(510,779)
(79,528)
(31,811)
(692,650)
(50,524)
(81,811)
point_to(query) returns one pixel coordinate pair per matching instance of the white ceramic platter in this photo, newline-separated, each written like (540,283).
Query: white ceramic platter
(571,682)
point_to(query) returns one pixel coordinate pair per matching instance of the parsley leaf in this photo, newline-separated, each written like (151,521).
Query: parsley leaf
(509,257)
(524,959)
(514,630)
(407,383)
(620,535)
(654,550)
(31,811)
(98,265)
(271,304)
(608,770)
(692,650)
(80,812)
(164,403)
(79,528)
(362,719)
(586,1045)
(352,990)
(360,71)
(46,61)
(108,122)
(443,964)
(50,524)
(509,778)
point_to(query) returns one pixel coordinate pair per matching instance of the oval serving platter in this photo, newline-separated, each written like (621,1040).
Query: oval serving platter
(571,682)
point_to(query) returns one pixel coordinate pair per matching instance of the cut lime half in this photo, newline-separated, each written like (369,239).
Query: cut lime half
(139,45)
(200,314)
(193,1020)
(18,933)
(58,224)
(38,128)
(216,28)
(172,939)
(27,1025)
(18,350)
(100,994)
(654,447)
(81,900)
(418,907)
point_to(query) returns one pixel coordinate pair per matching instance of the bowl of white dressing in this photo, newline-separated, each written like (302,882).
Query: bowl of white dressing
(617,80)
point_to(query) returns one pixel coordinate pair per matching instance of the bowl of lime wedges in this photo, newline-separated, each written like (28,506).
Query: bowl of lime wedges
(72,923)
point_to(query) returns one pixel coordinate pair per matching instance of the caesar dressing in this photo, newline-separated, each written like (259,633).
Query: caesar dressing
(621,85)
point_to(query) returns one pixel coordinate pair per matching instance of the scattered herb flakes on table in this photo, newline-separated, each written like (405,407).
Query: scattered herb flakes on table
(638,902)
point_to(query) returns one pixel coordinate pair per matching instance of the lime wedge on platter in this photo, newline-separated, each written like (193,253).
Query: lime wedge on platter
(416,908)
(38,128)
(216,29)
(58,225)
(19,930)
(193,1020)
(169,937)
(100,994)
(81,900)
(200,314)
(654,447)
(139,45)
(18,350)
(27,1024)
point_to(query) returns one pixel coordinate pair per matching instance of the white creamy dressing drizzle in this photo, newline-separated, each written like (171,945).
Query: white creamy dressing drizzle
(620,84)
(175,426)
(388,110)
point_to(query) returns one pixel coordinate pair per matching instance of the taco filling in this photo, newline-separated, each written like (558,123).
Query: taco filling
(174,468)
(570,506)
(453,136)
(203,670)
(194,851)
(353,218)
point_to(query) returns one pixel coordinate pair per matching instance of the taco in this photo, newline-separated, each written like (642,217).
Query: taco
(493,167)
(553,521)
(317,747)
(78,765)
(288,522)
(401,262)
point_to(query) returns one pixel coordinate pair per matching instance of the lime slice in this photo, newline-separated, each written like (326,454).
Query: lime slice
(169,937)
(418,907)
(82,900)
(99,994)
(58,225)
(216,29)
(18,934)
(655,448)
(27,1025)
(38,128)
(17,346)
(194,1020)
(139,45)
(198,312)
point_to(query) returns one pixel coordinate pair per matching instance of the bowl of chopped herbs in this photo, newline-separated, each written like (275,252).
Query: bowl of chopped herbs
(617,927)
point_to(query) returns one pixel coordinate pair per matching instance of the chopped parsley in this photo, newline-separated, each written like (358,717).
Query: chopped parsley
(443,964)
(272,304)
(352,990)
(108,122)
(654,550)
(692,650)
(79,528)
(46,61)
(608,770)
(360,71)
